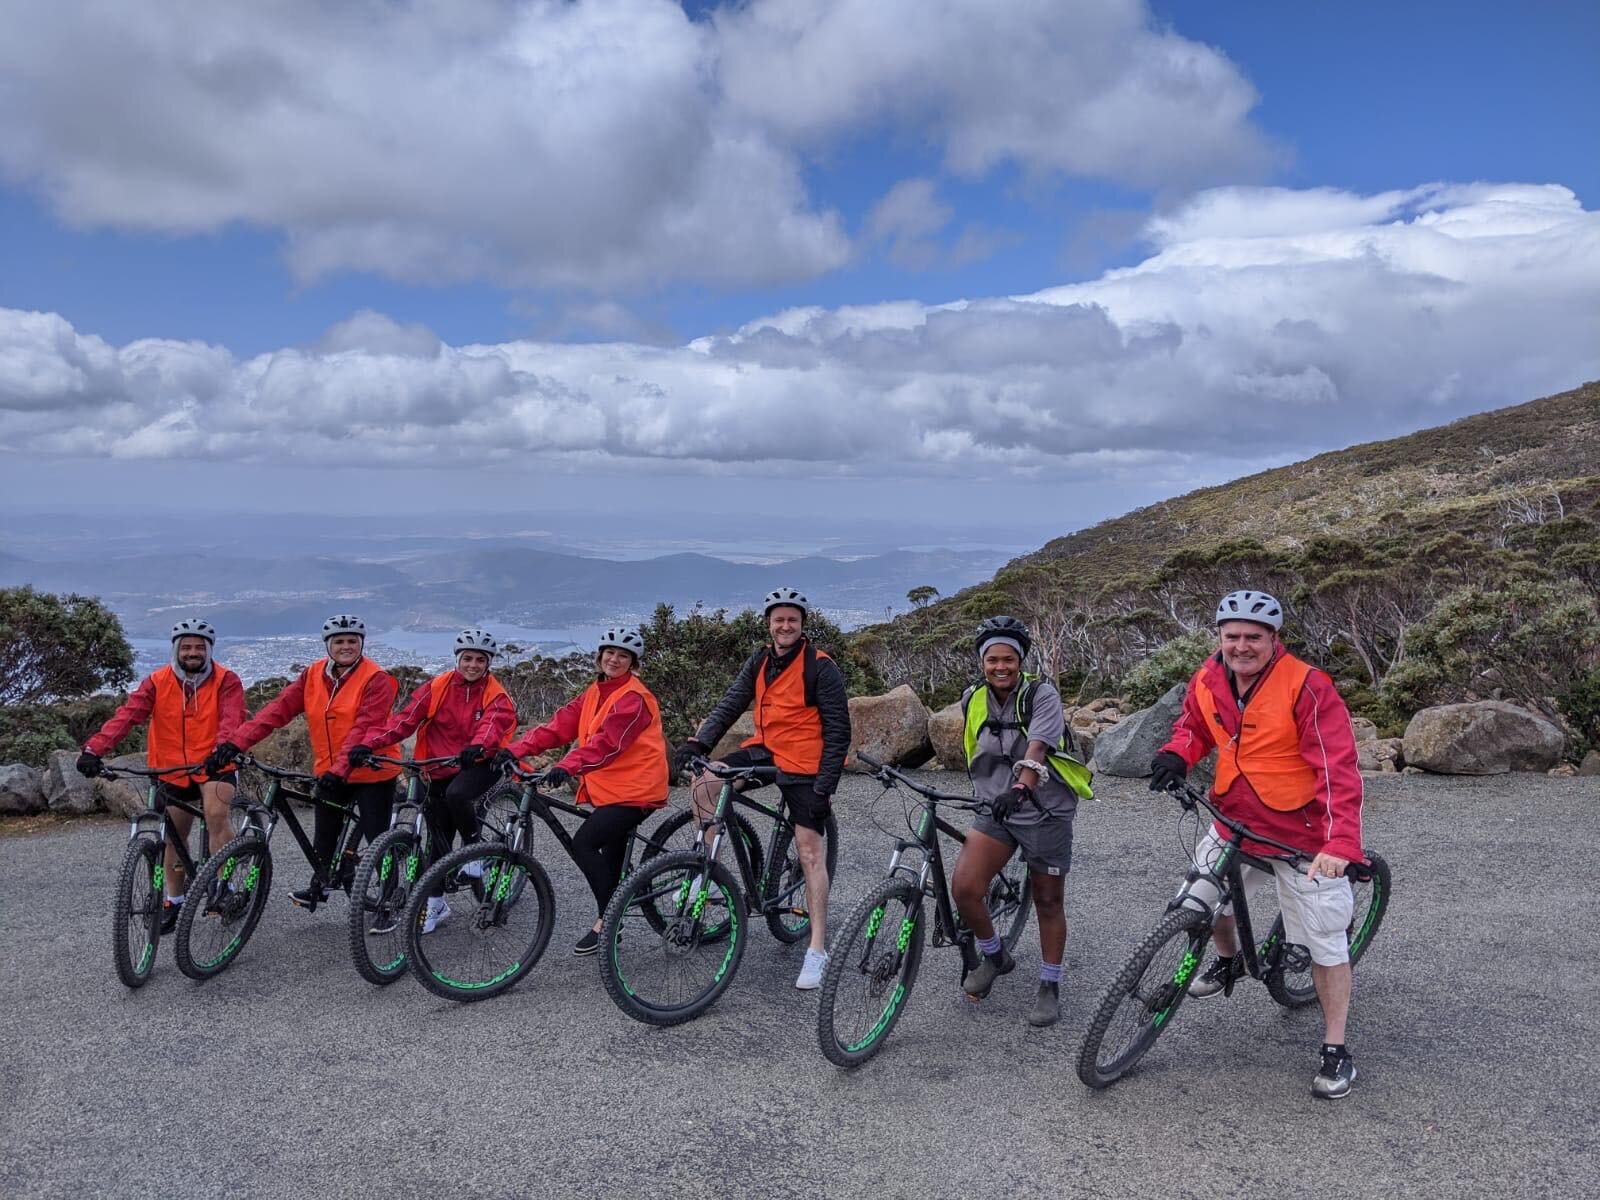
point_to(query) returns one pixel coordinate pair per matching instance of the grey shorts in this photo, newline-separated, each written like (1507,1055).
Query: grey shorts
(1046,846)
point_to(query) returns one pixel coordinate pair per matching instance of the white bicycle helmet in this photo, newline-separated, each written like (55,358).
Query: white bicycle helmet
(1250,606)
(477,639)
(343,623)
(623,638)
(195,627)
(785,596)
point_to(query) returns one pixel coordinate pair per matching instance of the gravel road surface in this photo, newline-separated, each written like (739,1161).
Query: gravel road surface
(1474,1027)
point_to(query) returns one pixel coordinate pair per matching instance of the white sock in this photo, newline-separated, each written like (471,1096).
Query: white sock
(174,899)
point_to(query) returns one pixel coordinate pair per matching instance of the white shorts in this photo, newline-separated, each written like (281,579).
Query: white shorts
(1316,912)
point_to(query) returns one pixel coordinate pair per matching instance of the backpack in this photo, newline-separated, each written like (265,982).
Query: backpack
(1063,761)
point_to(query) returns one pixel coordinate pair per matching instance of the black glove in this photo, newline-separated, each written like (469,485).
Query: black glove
(89,765)
(471,756)
(1167,770)
(557,777)
(1005,805)
(690,748)
(220,759)
(360,756)
(502,761)
(330,786)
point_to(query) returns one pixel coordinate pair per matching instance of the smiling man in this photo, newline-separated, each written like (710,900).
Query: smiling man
(1286,769)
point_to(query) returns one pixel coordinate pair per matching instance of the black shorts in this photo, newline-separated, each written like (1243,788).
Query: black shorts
(806,808)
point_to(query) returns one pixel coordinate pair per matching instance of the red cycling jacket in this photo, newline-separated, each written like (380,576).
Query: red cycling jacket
(462,719)
(621,728)
(1331,818)
(372,711)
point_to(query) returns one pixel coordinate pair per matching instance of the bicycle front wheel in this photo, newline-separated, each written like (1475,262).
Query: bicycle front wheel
(136,914)
(672,974)
(1009,901)
(783,892)
(872,966)
(223,906)
(1142,1000)
(490,927)
(379,896)
(1291,984)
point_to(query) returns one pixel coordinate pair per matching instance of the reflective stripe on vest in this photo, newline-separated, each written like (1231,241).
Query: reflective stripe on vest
(1267,750)
(786,725)
(638,775)
(441,689)
(1063,766)
(183,728)
(331,717)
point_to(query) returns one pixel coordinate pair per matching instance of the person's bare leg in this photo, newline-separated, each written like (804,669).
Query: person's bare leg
(1333,993)
(812,847)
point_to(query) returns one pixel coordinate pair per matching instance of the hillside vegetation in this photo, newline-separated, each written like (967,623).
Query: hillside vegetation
(1454,562)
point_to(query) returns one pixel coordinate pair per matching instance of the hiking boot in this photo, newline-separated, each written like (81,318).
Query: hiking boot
(588,943)
(1047,1008)
(811,971)
(1217,976)
(1333,1079)
(981,978)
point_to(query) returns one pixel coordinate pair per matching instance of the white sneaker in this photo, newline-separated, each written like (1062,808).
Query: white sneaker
(471,870)
(811,971)
(438,912)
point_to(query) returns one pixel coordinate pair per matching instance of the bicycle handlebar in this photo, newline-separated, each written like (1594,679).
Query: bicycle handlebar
(1189,798)
(249,760)
(109,772)
(515,768)
(724,771)
(889,776)
(413,764)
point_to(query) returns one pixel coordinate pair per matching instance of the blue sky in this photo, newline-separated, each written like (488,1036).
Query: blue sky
(1354,100)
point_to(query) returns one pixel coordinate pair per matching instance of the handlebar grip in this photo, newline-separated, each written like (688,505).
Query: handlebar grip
(1358,873)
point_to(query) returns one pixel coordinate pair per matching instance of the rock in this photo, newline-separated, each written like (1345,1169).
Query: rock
(124,797)
(21,789)
(1563,771)
(1590,765)
(1085,740)
(946,730)
(892,728)
(64,789)
(1103,702)
(1411,771)
(1379,754)
(1366,731)
(1126,748)
(1388,768)
(744,727)
(1485,737)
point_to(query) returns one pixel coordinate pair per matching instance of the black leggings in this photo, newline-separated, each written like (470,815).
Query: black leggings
(600,843)
(452,807)
(374,802)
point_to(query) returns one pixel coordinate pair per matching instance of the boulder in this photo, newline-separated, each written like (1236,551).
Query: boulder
(1366,731)
(1483,737)
(1085,740)
(946,730)
(21,789)
(123,797)
(64,789)
(1126,748)
(892,728)
(1590,766)
(744,727)
(1380,754)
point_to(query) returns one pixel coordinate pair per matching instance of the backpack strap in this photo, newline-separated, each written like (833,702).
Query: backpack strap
(808,674)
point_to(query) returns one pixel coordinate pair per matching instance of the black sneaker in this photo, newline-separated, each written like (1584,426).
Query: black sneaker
(309,897)
(981,978)
(1333,1079)
(588,943)
(169,916)
(1218,975)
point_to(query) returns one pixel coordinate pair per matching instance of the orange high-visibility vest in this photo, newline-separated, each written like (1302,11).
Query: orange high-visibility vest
(331,717)
(639,774)
(786,725)
(1267,750)
(441,688)
(183,728)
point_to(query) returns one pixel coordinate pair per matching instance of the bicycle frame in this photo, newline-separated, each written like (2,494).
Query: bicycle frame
(157,801)
(755,889)
(534,803)
(268,811)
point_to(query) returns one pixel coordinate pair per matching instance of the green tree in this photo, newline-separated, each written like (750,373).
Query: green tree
(58,647)
(1172,663)
(920,597)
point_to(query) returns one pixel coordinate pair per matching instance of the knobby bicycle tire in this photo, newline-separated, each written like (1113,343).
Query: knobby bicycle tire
(138,909)
(498,928)
(785,878)
(380,894)
(638,962)
(1296,988)
(670,837)
(226,900)
(1174,949)
(876,955)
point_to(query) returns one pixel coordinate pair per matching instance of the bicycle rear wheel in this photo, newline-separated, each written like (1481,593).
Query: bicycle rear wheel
(223,906)
(497,928)
(1010,901)
(1291,985)
(136,914)
(672,974)
(783,892)
(379,896)
(872,966)
(1144,997)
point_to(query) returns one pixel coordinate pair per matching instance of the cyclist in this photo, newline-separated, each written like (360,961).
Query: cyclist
(342,696)
(1289,772)
(1015,728)
(467,713)
(802,724)
(189,704)
(619,765)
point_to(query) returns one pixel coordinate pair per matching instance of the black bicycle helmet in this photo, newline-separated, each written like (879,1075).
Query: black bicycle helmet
(1003,627)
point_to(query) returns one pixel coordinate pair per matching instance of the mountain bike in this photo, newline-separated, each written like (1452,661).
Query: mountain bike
(674,932)
(877,951)
(141,884)
(490,943)
(1142,1000)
